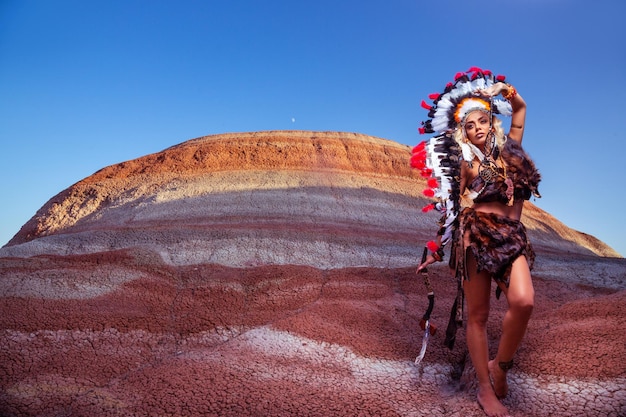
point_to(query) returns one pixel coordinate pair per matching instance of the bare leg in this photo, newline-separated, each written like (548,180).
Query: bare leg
(520,296)
(477,295)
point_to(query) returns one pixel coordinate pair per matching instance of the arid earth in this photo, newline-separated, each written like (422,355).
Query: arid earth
(273,274)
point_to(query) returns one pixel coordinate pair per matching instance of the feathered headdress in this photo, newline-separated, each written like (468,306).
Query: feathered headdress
(460,98)
(439,157)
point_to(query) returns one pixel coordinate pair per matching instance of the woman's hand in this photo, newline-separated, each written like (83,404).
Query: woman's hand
(429,260)
(495,89)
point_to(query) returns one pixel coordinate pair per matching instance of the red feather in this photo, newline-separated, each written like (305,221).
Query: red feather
(500,78)
(429,193)
(417,156)
(418,164)
(428,208)
(434,96)
(420,146)
(432,183)
(421,130)
(426,172)
(432,246)
(426,105)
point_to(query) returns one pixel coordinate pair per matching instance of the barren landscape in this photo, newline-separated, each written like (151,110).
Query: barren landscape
(272,274)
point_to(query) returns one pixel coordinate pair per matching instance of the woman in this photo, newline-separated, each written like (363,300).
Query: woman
(489,241)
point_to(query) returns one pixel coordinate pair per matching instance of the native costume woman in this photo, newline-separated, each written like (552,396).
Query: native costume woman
(495,240)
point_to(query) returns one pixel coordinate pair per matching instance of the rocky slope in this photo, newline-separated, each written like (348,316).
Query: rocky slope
(336,198)
(272,273)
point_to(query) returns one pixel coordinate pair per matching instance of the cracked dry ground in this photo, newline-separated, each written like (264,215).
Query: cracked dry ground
(121,334)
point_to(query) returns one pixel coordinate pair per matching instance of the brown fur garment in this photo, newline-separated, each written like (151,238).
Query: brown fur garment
(521,171)
(495,241)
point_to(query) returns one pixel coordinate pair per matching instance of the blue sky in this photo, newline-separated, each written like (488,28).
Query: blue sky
(87,84)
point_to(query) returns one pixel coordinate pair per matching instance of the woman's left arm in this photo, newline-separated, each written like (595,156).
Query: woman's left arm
(518,118)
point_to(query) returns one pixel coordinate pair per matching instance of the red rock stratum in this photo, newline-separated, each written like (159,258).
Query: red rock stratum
(272,274)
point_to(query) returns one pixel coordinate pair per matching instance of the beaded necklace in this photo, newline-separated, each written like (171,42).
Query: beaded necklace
(488,169)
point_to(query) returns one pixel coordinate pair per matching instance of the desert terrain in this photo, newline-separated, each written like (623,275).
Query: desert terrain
(273,274)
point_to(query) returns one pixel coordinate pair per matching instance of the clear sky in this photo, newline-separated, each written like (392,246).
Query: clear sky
(87,84)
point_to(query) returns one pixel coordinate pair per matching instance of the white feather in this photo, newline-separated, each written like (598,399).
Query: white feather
(468,155)
(504,107)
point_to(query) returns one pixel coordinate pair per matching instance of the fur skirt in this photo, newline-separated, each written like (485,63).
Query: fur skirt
(495,241)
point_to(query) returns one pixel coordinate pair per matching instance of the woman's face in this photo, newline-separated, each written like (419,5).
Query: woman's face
(477,127)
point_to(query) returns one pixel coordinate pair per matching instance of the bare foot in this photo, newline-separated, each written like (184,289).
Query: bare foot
(489,402)
(498,379)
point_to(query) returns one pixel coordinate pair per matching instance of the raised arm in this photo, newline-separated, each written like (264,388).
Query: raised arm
(518,118)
